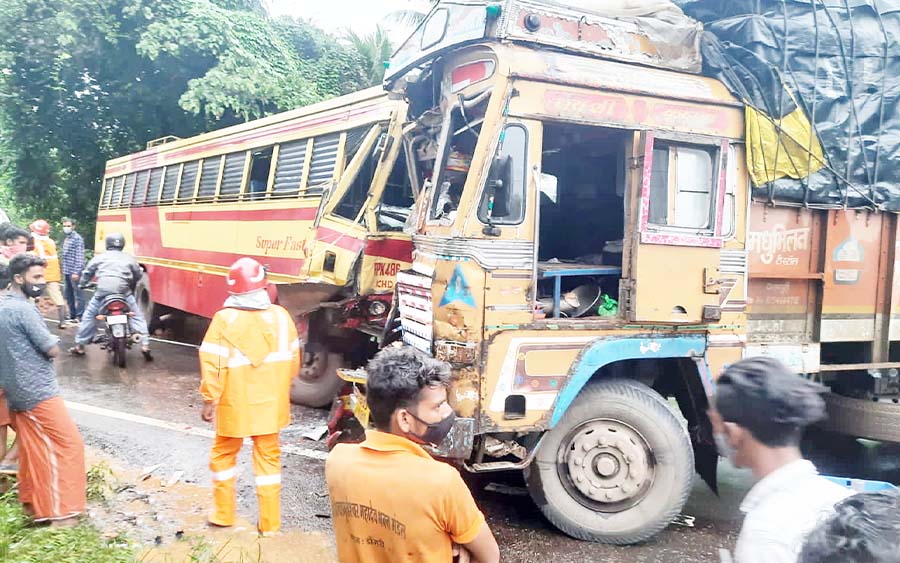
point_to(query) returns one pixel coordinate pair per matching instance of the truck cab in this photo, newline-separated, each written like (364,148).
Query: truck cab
(579,252)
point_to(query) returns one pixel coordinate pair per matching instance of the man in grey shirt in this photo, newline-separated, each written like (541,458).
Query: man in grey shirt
(117,273)
(51,456)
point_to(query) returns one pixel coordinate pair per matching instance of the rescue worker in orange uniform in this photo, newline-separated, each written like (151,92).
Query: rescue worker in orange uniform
(247,359)
(45,247)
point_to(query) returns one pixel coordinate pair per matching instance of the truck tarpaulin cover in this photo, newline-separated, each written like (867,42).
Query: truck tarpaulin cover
(820,80)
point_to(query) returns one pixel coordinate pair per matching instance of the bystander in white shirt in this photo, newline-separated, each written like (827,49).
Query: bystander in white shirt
(781,509)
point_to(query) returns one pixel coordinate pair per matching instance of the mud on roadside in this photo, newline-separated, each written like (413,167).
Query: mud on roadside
(167,522)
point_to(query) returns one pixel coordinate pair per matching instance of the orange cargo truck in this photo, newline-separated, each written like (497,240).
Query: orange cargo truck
(589,254)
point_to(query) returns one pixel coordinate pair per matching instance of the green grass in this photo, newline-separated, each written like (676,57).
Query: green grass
(22,542)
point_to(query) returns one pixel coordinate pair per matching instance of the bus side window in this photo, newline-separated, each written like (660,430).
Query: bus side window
(156,176)
(188,182)
(140,189)
(209,178)
(118,186)
(323,162)
(503,202)
(232,176)
(353,199)
(260,166)
(398,198)
(289,168)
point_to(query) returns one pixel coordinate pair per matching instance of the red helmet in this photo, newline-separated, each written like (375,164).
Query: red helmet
(40,227)
(246,275)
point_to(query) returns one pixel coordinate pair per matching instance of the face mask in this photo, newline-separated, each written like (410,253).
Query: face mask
(725,449)
(67,230)
(436,431)
(34,290)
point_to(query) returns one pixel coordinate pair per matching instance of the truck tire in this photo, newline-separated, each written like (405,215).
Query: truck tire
(617,468)
(317,383)
(861,418)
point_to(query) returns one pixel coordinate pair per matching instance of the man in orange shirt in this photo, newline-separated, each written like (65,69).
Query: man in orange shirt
(45,247)
(391,502)
(248,357)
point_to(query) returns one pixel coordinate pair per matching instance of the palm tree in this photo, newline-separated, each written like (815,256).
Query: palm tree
(412,17)
(375,49)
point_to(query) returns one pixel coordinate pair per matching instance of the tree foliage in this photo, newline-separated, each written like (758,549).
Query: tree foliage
(82,81)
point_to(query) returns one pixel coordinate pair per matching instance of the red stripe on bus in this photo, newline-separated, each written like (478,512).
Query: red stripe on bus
(339,239)
(392,249)
(112,218)
(292,214)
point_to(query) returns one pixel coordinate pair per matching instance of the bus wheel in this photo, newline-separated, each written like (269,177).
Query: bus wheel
(148,307)
(318,382)
(617,468)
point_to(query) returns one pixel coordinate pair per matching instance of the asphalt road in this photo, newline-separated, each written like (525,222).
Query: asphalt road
(148,414)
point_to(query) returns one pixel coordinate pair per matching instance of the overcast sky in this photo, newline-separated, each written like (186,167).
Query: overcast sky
(336,15)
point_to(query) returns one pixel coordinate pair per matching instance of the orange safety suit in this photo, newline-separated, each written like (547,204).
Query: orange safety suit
(247,361)
(45,247)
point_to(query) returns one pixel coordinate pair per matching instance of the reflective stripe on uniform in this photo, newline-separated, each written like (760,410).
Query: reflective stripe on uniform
(215,349)
(263,480)
(224,475)
(240,359)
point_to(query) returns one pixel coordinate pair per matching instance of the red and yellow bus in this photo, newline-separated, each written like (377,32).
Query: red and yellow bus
(320,195)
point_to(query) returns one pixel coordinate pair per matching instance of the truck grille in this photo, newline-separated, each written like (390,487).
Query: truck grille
(414,298)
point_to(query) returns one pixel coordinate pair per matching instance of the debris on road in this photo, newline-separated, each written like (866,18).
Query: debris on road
(148,472)
(502,489)
(684,520)
(174,479)
(316,433)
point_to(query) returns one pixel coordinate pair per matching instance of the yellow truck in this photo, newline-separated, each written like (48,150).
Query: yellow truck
(588,259)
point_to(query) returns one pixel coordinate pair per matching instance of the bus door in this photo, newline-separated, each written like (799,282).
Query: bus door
(340,232)
(678,194)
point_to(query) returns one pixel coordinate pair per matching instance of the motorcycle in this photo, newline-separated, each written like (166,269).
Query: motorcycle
(117,337)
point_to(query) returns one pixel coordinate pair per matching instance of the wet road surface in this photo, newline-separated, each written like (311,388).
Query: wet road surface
(148,414)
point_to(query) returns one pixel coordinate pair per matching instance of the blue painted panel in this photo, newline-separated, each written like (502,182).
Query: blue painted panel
(604,351)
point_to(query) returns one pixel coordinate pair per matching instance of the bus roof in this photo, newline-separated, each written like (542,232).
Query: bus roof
(370,97)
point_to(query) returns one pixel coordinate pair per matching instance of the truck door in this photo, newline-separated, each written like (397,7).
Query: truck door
(678,194)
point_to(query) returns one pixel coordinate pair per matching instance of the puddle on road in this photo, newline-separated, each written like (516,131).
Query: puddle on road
(168,524)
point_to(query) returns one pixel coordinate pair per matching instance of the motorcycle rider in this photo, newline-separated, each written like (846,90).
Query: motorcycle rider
(117,272)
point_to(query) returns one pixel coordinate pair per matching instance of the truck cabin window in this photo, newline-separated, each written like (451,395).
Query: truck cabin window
(503,200)
(682,188)
(461,138)
(581,216)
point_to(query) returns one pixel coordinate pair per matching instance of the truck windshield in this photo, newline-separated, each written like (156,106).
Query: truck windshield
(460,140)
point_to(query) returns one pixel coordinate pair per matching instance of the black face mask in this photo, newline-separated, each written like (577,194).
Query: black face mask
(436,431)
(34,290)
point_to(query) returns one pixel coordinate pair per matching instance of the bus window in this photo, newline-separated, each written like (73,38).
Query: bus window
(107,193)
(322,165)
(352,201)
(289,169)
(156,176)
(188,182)
(209,178)
(128,191)
(118,185)
(140,188)
(459,147)
(260,166)
(398,198)
(170,183)
(232,176)
(503,202)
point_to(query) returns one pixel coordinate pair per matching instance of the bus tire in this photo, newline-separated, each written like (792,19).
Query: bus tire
(145,302)
(617,468)
(317,383)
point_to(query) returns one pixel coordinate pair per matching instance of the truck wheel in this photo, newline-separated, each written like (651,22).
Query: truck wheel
(617,468)
(318,382)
